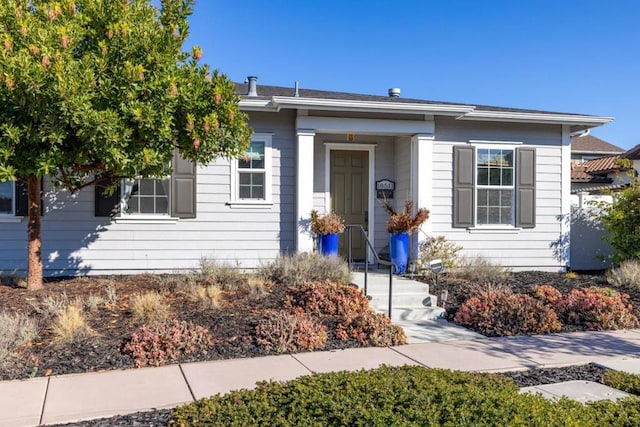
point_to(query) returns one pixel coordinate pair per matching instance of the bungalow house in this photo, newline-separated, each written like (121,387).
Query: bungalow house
(598,175)
(585,147)
(495,179)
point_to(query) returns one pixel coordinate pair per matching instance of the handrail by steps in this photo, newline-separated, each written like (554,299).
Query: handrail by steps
(391,265)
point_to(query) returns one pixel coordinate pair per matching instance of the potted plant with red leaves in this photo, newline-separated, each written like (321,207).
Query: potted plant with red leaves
(400,226)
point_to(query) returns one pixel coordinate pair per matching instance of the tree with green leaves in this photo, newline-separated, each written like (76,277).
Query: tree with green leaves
(621,218)
(93,91)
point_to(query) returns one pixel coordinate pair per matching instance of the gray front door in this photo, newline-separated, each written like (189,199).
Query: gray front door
(350,195)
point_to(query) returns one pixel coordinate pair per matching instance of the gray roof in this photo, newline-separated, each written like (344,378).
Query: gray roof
(633,153)
(592,144)
(266,92)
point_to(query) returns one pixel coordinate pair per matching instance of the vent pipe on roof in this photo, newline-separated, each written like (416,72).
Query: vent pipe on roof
(394,92)
(253,90)
(296,93)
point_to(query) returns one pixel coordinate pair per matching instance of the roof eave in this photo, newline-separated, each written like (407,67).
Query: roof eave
(545,118)
(369,106)
(460,111)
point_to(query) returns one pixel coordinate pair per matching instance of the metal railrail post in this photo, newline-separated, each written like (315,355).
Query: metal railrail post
(366,268)
(390,287)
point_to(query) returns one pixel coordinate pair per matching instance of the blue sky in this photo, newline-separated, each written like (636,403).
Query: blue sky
(578,56)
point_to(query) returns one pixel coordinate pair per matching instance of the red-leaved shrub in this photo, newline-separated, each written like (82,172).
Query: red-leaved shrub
(160,343)
(505,314)
(346,308)
(546,293)
(596,309)
(286,332)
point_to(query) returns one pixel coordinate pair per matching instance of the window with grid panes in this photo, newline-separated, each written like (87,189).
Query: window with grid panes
(494,186)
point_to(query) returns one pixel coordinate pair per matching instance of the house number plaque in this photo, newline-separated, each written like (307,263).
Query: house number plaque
(384,189)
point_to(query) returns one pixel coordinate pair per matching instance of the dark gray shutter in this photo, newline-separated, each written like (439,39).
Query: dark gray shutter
(463,186)
(106,204)
(22,198)
(183,188)
(526,187)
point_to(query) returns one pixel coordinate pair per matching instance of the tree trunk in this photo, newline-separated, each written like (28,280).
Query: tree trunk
(34,245)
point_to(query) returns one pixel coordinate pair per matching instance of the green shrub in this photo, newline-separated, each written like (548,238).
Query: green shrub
(621,220)
(287,332)
(160,343)
(348,309)
(300,268)
(596,309)
(393,396)
(505,314)
(626,274)
(15,330)
(437,248)
(624,381)
(479,269)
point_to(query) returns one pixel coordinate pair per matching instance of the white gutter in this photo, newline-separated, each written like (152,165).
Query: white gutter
(462,112)
(553,118)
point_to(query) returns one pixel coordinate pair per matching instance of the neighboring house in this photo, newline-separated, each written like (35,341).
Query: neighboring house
(496,180)
(588,147)
(598,175)
(634,155)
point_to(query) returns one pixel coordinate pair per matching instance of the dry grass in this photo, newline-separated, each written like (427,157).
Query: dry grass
(208,297)
(298,269)
(70,324)
(480,270)
(626,274)
(150,307)
(15,330)
(50,306)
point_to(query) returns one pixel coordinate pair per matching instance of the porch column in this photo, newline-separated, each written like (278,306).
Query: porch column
(422,181)
(304,189)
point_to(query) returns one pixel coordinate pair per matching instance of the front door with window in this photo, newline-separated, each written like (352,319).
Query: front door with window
(350,195)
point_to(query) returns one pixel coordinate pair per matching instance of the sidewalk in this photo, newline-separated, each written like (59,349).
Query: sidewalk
(75,397)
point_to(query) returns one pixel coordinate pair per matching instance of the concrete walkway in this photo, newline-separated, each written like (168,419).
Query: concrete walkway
(75,397)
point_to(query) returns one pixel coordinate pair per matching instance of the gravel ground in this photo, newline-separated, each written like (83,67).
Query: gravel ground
(522,378)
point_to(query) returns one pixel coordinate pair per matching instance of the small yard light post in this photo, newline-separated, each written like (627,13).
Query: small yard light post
(435,265)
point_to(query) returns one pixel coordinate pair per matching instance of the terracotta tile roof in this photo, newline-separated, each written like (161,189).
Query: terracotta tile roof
(579,173)
(592,144)
(601,165)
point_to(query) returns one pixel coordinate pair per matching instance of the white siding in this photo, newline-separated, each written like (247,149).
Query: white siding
(526,248)
(76,242)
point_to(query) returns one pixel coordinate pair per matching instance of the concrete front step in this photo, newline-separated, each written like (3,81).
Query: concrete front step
(378,283)
(411,314)
(404,299)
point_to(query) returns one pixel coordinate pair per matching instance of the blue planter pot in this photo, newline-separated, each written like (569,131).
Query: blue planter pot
(399,251)
(328,244)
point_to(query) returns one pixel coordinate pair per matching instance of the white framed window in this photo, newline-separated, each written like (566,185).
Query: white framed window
(7,201)
(251,176)
(146,196)
(495,195)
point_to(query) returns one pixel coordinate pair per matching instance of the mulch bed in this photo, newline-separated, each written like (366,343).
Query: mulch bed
(523,282)
(232,325)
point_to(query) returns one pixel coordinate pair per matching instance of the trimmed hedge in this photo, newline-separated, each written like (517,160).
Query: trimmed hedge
(623,381)
(407,395)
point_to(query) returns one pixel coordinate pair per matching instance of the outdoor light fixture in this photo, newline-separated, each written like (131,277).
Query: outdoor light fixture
(435,265)
(444,296)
